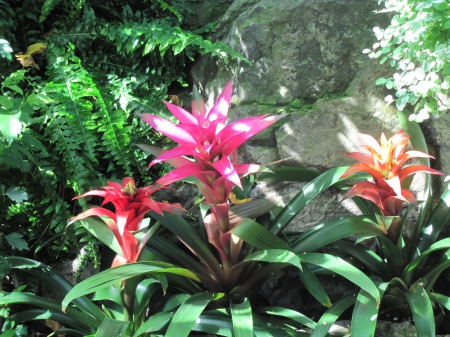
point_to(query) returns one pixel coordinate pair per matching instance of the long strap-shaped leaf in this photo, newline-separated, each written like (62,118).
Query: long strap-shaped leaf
(314,287)
(241,314)
(437,221)
(256,235)
(331,315)
(418,142)
(298,174)
(326,233)
(168,252)
(308,192)
(262,327)
(408,273)
(161,320)
(288,313)
(428,280)
(330,262)
(189,312)
(112,327)
(56,282)
(181,228)
(77,318)
(365,313)
(440,299)
(422,312)
(120,273)
(102,232)
(369,258)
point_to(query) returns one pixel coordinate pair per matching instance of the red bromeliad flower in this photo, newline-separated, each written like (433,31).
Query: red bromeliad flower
(384,164)
(131,205)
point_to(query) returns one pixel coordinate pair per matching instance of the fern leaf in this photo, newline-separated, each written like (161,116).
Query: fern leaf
(47,8)
(72,121)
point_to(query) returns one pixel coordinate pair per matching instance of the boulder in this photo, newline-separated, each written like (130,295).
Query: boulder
(308,64)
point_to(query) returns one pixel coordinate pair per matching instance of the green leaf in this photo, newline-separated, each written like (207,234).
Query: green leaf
(435,224)
(262,326)
(54,281)
(329,232)
(424,4)
(102,232)
(155,323)
(10,126)
(369,258)
(120,273)
(17,194)
(409,270)
(314,287)
(441,6)
(332,314)
(333,263)
(381,80)
(256,235)
(241,315)
(181,228)
(365,313)
(144,291)
(75,317)
(112,327)
(422,312)
(440,299)
(343,268)
(186,316)
(15,88)
(15,241)
(308,192)
(288,313)
(5,49)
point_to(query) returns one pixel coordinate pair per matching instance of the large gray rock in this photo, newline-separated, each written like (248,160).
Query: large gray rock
(299,48)
(313,69)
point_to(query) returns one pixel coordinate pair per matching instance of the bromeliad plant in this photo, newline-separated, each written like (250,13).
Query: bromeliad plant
(405,272)
(236,254)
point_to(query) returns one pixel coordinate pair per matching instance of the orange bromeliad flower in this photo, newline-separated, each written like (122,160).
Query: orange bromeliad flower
(384,164)
(131,205)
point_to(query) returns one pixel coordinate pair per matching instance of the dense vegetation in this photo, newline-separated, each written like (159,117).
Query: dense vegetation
(416,44)
(80,111)
(73,75)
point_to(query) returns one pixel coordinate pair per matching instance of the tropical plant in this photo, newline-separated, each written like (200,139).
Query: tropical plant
(73,75)
(405,271)
(233,254)
(416,44)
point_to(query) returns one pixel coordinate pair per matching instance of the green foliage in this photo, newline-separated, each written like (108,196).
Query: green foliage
(416,44)
(68,123)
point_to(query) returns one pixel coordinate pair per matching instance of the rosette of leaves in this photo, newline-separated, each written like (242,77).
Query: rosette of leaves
(408,273)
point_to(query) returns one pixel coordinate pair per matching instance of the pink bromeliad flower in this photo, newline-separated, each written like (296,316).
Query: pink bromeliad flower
(207,155)
(211,142)
(131,205)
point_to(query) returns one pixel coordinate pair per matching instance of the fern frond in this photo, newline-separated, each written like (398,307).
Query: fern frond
(72,123)
(80,32)
(130,36)
(47,8)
